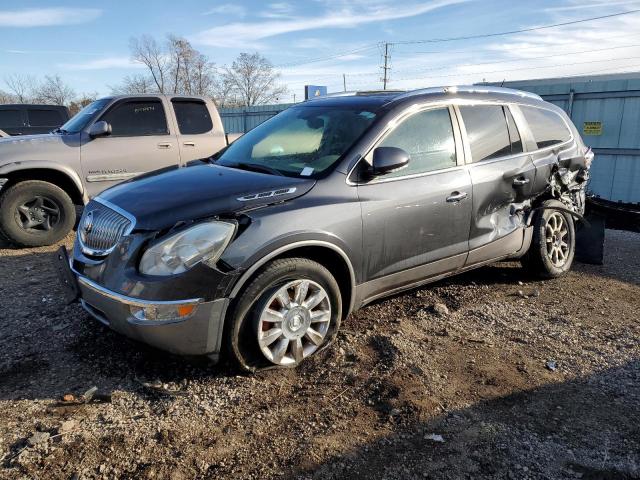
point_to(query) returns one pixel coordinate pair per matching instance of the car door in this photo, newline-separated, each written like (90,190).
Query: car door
(141,140)
(198,135)
(416,220)
(502,175)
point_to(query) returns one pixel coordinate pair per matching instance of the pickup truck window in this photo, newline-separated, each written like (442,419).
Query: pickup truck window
(137,118)
(84,116)
(10,118)
(487,131)
(299,142)
(43,118)
(428,139)
(193,117)
(547,127)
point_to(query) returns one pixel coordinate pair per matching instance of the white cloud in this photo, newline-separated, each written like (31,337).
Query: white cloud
(45,17)
(581,5)
(245,34)
(102,64)
(227,9)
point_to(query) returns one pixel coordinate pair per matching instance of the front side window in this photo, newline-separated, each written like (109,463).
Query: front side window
(547,127)
(138,118)
(193,117)
(427,137)
(487,131)
(302,141)
(10,118)
(44,118)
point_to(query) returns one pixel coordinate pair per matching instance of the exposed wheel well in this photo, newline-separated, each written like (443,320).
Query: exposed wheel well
(331,260)
(46,175)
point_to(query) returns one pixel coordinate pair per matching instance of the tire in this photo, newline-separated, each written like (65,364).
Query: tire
(553,244)
(34,213)
(251,347)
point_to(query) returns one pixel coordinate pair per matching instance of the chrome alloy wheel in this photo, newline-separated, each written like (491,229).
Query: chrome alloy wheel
(557,238)
(294,322)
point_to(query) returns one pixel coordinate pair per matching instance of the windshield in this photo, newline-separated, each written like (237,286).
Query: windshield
(84,116)
(299,142)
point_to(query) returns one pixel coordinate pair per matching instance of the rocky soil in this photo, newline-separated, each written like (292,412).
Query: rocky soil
(487,375)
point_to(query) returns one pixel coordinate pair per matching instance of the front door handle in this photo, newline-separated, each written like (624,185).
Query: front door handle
(189,144)
(455,197)
(520,181)
(164,145)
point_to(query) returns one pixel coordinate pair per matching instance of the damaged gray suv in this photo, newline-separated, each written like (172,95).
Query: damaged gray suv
(262,250)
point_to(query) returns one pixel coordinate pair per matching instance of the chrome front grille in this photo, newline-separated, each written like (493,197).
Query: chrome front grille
(102,226)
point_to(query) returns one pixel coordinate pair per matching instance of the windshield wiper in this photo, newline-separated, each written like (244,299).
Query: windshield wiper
(256,168)
(60,130)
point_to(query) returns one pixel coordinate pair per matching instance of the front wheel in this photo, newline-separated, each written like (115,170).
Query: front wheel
(289,311)
(553,244)
(34,213)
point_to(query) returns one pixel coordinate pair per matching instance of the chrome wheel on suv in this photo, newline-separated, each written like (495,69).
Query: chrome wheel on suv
(294,322)
(288,312)
(556,236)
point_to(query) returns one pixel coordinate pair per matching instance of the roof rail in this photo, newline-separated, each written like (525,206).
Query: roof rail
(474,89)
(362,93)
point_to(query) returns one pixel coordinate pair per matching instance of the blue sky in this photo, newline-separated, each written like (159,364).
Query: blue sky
(86,43)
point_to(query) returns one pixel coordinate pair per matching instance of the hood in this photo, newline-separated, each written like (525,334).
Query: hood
(163,199)
(44,147)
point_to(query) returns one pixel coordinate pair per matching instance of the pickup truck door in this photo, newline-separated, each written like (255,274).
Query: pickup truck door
(502,176)
(200,131)
(416,219)
(141,140)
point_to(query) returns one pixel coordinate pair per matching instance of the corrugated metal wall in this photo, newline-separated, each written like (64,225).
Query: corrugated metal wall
(243,119)
(614,101)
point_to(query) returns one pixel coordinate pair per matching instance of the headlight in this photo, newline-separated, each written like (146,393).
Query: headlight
(181,251)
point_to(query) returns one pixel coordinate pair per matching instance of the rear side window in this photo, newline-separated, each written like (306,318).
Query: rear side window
(514,134)
(10,118)
(547,127)
(138,118)
(193,117)
(428,139)
(44,118)
(487,131)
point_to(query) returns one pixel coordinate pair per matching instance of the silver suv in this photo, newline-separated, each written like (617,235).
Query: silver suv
(43,177)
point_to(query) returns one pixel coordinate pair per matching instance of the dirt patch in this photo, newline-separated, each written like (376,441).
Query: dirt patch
(408,390)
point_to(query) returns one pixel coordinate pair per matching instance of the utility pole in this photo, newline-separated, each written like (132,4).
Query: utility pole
(386,67)
(344,81)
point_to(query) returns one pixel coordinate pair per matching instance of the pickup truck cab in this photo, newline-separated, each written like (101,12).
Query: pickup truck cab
(29,119)
(43,177)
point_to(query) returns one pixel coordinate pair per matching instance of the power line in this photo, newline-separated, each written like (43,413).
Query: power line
(329,57)
(512,32)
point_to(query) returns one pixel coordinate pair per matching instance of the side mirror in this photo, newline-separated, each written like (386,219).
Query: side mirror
(100,129)
(386,159)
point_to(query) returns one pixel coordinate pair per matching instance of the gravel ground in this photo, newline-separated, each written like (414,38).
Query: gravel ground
(487,375)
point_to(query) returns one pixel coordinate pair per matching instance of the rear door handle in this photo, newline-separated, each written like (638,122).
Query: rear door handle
(164,145)
(189,144)
(455,197)
(518,182)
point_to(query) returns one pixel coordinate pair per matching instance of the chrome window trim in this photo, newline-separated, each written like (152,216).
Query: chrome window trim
(394,123)
(132,223)
(125,300)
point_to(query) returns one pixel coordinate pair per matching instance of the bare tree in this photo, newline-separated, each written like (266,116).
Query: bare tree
(253,78)
(6,97)
(151,54)
(132,84)
(22,87)
(54,91)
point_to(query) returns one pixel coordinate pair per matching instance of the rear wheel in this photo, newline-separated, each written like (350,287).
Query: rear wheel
(289,311)
(36,213)
(553,243)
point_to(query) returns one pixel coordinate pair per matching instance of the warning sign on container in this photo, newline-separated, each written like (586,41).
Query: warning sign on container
(592,128)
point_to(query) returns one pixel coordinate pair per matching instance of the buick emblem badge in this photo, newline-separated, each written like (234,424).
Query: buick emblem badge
(88,223)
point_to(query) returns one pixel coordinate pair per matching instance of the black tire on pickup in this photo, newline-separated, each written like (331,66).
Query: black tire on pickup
(34,213)
(553,245)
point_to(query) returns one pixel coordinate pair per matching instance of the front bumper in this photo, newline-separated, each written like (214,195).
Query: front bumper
(199,333)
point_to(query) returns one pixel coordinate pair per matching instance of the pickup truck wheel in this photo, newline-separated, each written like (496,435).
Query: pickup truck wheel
(289,311)
(553,244)
(36,213)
